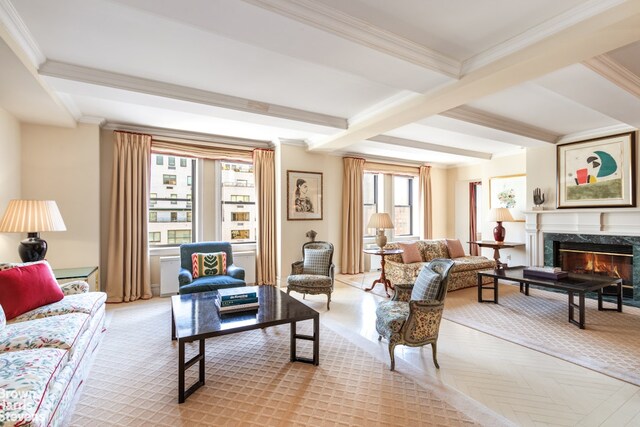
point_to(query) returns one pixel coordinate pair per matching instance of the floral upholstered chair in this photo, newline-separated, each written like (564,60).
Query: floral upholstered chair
(314,274)
(413,315)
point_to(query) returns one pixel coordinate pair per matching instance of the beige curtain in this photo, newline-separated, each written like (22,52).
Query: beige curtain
(352,226)
(128,277)
(265,177)
(201,151)
(425,202)
(390,168)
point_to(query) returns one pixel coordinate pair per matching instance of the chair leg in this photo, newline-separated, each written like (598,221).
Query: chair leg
(379,337)
(304,296)
(434,350)
(328,301)
(392,356)
(288,291)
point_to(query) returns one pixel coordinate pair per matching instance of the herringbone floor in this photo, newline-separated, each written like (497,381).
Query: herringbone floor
(528,387)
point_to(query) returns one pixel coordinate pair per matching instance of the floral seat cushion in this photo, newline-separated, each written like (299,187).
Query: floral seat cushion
(472,263)
(309,280)
(390,316)
(60,332)
(86,303)
(25,378)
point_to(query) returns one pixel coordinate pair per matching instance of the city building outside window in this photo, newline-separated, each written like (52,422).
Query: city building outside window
(154,237)
(178,237)
(183,162)
(153,199)
(403,205)
(169,179)
(172,162)
(239,216)
(153,216)
(159,160)
(237,193)
(174,199)
(371,183)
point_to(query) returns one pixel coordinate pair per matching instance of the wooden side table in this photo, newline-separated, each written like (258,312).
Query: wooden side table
(496,246)
(383,279)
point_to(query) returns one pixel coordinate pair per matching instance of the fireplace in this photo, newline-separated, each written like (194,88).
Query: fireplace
(614,256)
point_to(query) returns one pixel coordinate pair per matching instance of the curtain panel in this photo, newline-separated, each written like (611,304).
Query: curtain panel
(425,202)
(352,211)
(128,277)
(265,176)
(201,151)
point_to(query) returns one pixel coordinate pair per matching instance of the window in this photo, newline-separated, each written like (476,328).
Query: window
(183,162)
(170,206)
(239,216)
(172,162)
(403,205)
(188,180)
(237,198)
(370,190)
(239,234)
(159,160)
(178,237)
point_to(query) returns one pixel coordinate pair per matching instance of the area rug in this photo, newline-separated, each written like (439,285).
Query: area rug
(363,281)
(610,344)
(250,381)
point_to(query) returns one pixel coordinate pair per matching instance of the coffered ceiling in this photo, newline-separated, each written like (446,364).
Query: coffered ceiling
(416,80)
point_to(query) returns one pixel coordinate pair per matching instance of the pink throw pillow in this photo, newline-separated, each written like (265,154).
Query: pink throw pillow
(411,253)
(24,288)
(455,248)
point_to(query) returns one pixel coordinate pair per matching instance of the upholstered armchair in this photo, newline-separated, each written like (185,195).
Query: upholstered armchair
(412,317)
(314,274)
(233,277)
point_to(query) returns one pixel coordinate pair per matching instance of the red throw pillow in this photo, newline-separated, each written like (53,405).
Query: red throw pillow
(24,288)
(411,253)
(455,248)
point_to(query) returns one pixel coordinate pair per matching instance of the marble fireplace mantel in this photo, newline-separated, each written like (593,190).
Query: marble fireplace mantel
(606,221)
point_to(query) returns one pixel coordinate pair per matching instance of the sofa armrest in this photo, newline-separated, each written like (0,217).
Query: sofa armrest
(235,272)
(184,277)
(75,287)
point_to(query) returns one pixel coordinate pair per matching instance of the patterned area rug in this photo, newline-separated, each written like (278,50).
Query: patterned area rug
(610,344)
(250,381)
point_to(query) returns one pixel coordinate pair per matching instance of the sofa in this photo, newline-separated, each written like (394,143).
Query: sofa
(463,274)
(45,355)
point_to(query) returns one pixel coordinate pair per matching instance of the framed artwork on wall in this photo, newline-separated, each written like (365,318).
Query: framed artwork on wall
(509,192)
(598,172)
(304,195)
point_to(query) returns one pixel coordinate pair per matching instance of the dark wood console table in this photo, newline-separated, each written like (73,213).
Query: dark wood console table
(496,246)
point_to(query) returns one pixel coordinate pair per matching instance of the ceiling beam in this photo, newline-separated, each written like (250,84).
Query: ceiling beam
(615,72)
(610,30)
(494,121)
(168,90)
(410,143)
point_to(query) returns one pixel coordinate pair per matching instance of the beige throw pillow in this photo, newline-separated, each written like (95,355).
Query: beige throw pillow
(411,253)
(455,248)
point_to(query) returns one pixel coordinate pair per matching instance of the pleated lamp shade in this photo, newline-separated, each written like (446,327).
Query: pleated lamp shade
(380,220)
(500,215)
(31,216)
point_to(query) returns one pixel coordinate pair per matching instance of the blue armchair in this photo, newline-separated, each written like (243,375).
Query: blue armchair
(188,285)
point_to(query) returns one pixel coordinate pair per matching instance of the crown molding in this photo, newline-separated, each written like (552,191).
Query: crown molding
(410,143)
(152,87)
(482,118)
(14,24)
(616,73)
(187,136)
(546,29)
(328,19)
(595,133)
(92,120)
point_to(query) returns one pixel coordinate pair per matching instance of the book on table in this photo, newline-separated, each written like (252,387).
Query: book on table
(237,299)
(553,273)
(239,306)
(242,292)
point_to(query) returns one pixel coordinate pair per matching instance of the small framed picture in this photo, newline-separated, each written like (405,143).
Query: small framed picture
(597,173)
(304,195)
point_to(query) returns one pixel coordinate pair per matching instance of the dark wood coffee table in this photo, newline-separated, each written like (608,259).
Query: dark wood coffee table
(194,317)
(578,284)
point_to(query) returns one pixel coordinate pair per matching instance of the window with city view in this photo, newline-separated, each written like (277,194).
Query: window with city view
(170,208)
(238,202)
(370,198)
(402,205)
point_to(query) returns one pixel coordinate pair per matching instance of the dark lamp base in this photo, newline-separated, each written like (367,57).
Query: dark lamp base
(499,233)
(33,248)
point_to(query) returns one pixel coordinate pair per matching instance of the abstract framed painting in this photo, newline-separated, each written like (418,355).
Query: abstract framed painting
(304,195)
(509,192)
(598,172)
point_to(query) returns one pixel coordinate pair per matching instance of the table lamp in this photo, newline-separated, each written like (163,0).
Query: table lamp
(32,217)
(380,221)
(499,215)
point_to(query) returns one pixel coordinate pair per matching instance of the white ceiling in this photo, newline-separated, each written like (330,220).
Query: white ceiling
(416,80)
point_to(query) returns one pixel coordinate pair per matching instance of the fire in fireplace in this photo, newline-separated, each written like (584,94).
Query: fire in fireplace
(598,259)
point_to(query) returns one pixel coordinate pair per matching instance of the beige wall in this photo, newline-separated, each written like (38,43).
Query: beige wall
(10,180)
(62,164)
(291,234)
(458,203)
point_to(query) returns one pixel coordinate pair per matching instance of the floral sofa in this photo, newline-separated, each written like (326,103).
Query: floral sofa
(45,355)
(463,274)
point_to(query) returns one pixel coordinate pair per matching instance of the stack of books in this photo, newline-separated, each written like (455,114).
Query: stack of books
(237,299)
(553,273)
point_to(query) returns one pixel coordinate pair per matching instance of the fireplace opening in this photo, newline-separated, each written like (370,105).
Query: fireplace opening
(598,259)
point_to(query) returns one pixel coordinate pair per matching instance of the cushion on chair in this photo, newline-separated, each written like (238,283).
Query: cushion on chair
(27,287)
(411,252)
(208,264)
(316,261)
(390,316)
(455,248)
(309,281)
(427,285)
